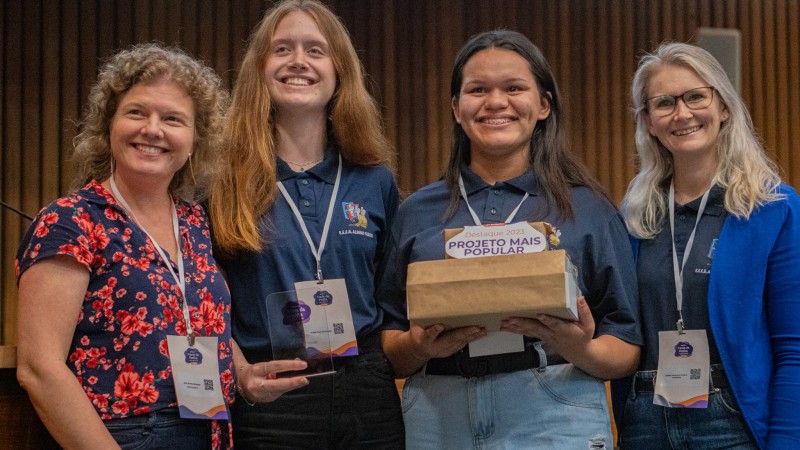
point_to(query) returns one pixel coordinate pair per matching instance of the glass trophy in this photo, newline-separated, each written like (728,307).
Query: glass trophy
(298,331)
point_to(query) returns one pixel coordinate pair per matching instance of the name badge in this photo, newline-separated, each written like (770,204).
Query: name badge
(683,369)
(327,316)
(195,371)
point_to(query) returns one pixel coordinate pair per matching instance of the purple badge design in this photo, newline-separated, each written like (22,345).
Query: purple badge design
(295,313)
(323,298)
(193,356)
(683,349)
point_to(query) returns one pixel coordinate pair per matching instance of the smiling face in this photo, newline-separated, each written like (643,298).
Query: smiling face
(688,134)
(152,131)
(299,69)
(498,105)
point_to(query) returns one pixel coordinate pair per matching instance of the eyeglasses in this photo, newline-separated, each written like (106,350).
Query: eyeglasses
(664,105)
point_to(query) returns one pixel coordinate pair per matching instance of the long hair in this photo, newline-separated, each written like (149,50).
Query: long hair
(148,63)
(749,177)
(556,168)
(247,188)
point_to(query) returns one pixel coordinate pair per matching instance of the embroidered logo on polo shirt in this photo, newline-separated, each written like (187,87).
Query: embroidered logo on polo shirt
(711,250)
(356,215)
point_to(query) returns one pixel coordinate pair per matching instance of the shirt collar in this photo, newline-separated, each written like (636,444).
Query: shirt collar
(95,193)
(715,205)
(325,170)
(526,182)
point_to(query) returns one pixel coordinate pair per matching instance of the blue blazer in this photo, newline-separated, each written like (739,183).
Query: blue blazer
(754,309)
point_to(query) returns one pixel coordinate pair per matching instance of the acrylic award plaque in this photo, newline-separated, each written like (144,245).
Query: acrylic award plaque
(297,333)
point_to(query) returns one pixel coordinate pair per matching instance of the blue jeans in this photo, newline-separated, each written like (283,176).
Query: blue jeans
(355,408)
(162,429)
(560,407)
(652,427)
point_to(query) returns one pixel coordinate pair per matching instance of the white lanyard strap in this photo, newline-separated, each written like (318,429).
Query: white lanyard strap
(179,277)
(472,211)
(317,251)
(676,269)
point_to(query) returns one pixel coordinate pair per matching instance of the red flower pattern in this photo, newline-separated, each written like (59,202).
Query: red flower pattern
(119,351)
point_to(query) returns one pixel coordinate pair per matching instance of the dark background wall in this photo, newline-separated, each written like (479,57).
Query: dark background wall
(49,52)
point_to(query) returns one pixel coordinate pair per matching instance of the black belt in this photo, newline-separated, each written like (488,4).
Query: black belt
(717,380)
(462,365)
(366,344)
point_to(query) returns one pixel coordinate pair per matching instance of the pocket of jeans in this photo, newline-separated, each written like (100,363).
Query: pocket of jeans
(377,363)
(727,401)
(412,387)
(571,386)
(130,437)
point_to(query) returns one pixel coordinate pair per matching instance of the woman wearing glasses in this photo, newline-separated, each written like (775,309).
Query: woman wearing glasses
(717,263)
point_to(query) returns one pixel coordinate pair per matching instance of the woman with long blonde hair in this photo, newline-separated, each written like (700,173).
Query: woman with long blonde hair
(305,202)
(718,252)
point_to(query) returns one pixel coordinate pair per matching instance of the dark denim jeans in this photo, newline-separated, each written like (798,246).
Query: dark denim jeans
(358,407)
(652,427)
(163,429)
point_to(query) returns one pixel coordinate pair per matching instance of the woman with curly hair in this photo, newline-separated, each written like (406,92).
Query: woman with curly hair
(118,289)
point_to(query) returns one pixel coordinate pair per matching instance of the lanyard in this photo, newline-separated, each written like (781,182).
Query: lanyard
(179,277)
(472,211)
(318,250)
(678,270)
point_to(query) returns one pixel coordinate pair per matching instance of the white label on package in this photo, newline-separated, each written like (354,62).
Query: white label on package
(496,239)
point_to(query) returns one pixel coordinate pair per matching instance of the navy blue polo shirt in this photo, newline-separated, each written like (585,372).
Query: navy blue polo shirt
(596,241)
(365,206)
(656,280)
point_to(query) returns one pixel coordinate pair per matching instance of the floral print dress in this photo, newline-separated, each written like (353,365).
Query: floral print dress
(119,350)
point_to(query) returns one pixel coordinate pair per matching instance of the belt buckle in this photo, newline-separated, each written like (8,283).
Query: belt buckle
(468,367)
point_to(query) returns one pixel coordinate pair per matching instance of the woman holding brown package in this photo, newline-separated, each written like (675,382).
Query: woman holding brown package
(509,162)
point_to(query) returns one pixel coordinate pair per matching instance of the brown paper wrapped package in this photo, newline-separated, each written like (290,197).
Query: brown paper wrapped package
(483,291)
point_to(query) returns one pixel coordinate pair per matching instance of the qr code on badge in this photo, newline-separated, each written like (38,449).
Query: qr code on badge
(694,374)
(338,328)
(208,384)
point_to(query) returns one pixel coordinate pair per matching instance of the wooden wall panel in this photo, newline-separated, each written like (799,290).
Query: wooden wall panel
(790,159)
(69,86)
(12,180)
(50,164)
(50,50)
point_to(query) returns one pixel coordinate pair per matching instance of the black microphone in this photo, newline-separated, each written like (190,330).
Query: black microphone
(21,213)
